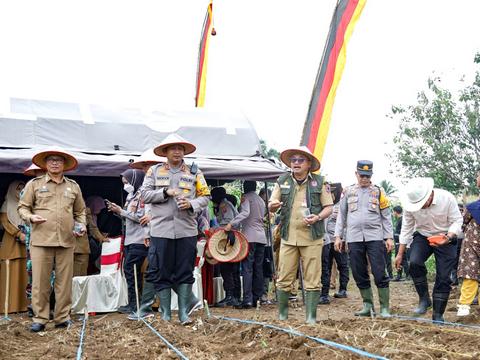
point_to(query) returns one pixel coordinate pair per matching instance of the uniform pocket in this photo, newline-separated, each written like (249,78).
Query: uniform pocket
(68,199)
(373,205)
(352,203)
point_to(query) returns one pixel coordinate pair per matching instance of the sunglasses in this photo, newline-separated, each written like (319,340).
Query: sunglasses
(297,160)
(365,176)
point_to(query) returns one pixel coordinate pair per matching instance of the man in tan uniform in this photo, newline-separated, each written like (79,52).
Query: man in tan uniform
(54,207)
(305,202)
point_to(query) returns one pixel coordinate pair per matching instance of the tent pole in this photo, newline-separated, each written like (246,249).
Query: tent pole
(270,242)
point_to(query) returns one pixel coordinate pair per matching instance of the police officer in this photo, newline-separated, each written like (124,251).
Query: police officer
(304,202)
(365,212)
(178,193)
(329,253)
(53,205)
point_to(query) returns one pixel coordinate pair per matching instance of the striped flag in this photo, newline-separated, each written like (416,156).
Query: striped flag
(207,30)
(315,130)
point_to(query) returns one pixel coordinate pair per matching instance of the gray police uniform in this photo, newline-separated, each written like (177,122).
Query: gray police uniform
(365,213)
(173,231)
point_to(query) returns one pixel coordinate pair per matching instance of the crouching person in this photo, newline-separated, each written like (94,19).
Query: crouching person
(304,202)
(177,194)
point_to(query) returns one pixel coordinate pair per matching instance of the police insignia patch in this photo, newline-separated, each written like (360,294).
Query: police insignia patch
(314,183)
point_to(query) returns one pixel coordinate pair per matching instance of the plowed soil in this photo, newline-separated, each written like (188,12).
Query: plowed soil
(112,336)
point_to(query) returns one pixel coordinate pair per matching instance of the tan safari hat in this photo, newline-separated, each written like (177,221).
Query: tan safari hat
(220,248)
(287,154)
(174,139)
(147,157)
(40,159)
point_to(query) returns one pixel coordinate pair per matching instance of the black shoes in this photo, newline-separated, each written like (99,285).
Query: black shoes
(37,327)
(324,300)
(341,294)
(64,324)
(126,309)
(246,305)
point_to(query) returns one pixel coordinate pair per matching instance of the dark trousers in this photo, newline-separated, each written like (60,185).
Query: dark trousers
(252,271)
(388,262)
(231,278)
(135,255)
(404,260)
(358,253)
(341,258)
(171,261)
(445,256)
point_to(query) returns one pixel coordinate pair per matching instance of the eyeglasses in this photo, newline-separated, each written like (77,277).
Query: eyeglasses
(365,176)
(297,160)
(55,159)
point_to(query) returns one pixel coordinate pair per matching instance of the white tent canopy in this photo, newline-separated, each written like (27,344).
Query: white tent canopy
(105,140)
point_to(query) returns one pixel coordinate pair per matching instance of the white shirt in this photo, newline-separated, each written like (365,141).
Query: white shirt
(442,216)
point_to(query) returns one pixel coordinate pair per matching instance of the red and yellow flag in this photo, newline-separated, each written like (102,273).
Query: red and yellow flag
(207,30)
(315,130)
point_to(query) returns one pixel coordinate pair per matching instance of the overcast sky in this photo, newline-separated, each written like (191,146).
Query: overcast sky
(262,63)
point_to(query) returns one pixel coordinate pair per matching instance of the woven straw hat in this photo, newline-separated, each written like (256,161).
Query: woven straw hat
(40,159)
(147,157)
(174,139)
(244,247)
(287,154)
(30,171)
(220,248)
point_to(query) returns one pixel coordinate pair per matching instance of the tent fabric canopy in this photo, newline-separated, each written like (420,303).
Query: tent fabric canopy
(106,140)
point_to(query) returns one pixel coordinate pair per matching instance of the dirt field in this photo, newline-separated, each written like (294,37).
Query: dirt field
(112,336)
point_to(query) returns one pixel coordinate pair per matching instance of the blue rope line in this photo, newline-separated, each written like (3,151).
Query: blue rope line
(296,333)
(79,350)
(401,317)
(180,355)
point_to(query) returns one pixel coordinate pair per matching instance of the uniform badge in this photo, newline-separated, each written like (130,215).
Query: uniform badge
(43,189)
(314,183)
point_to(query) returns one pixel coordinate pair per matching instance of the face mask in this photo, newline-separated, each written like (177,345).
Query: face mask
(128,188)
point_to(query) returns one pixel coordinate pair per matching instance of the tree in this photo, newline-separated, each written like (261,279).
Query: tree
(440,136)
(388,187)
(269,152)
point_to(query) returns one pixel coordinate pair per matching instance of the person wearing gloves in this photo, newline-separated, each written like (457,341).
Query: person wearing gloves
(135,249)
(428,212)
(177,194)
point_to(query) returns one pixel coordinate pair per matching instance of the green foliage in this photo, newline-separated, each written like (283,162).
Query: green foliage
(440,136)
(269,152)
(388,187)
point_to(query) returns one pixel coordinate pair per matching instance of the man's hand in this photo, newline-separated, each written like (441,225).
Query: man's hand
(389,245)
(398,261)
(37,219)
(145,219)
(22,237)
(227,227)
(444,241)
(172,192)
(311,219)
(146,242)
(338,246)
(274,205)
(183,204)
(80,233)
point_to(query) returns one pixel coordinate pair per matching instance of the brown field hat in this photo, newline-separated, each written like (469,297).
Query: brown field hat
(220,248)
(174,139)
(244,248)
(287,154)
(30,171)
(40,159)
(147,157)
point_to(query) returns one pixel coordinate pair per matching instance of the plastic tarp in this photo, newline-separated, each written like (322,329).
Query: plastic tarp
(104,140)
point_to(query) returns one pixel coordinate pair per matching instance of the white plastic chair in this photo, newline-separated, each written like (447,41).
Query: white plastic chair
(104,292)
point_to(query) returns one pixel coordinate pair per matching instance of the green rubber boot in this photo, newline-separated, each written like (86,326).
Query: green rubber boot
(384,297)
(367,297)
(165,296)
(184,291)
(148,298)
(282,297)
(311,302)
